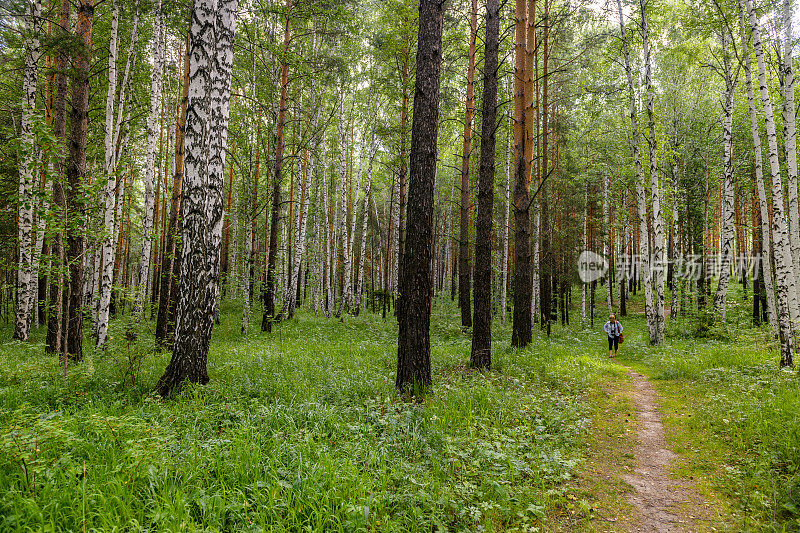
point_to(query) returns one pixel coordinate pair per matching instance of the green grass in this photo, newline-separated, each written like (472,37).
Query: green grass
(301,429)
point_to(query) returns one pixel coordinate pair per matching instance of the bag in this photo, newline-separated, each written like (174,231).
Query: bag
(621,338)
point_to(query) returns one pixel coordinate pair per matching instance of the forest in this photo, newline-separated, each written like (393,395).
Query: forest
(354,265)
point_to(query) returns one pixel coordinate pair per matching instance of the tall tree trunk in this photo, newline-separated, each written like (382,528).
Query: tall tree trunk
(76,173)
(463,241)
(765,241)
(507,209)
(269,293)
(521,319)
(655,192)
(481,355)
(784,271)
(726,255)
(790,143)
(55,318)
(302,224)
(27,170)
(170,267)
(413,342)
(250,239)
(210,69)
(159,30)
(112,142)
(643,261)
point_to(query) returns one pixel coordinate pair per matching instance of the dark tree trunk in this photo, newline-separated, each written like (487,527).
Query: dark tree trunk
(463,241)
(170,266)
(481,356)
(76,171)
(413,343)
(272,259)
(55,319)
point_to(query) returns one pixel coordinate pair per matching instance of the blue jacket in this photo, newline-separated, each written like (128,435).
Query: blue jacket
(613,330)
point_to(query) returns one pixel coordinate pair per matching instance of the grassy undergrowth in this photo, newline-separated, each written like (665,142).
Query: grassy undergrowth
(301,429)
(731,413)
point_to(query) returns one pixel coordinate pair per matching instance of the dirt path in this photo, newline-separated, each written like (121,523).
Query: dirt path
(658,497)
(627,480)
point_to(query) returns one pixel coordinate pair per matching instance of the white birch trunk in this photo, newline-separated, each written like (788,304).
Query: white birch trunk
(150,169)
(641,200)
(27,167)
(113,129)
(344,302)
(657,271)
(727,233)
(606,239)
(784,271)
(766,252)
(790,141)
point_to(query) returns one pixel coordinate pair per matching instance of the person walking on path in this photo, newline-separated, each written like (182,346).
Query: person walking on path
(614,330)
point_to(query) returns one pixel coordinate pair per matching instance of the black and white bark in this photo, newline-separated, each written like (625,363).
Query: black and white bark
(212,30)
(27,170)
(159,30)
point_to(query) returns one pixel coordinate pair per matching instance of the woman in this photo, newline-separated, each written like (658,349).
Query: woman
(614,329)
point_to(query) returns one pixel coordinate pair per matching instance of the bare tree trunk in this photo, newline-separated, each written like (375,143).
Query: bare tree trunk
(521,320)
(766,240)
(726,256)
(28,162)
(658,218)
(784,271)
(643,263)
(76,173)
(463,241)
(55,318)
(790,142)
(269,294)
(507,208)
(213,23)
(481,354)
(413,342)
(159,30)
(171,264)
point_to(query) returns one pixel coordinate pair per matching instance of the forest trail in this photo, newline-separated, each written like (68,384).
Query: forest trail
(627,477)
(660,500)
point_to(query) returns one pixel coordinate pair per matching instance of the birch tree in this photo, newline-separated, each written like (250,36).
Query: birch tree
(159,30)
(641,199)
(27,165)
(784,271)
(212,30)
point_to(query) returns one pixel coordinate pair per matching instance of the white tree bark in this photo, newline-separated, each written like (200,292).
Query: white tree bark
(159,29)
(344,302)
(27,166)
(727,233)
(365,214)
(290,302)
(658,219)
(606,240)
(790,141)
(641,200)
(210,68)
(766,252)
(112,135)
(784,269)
